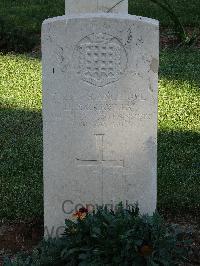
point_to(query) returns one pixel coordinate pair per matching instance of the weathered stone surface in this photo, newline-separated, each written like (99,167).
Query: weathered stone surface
(94,6)
(99,111)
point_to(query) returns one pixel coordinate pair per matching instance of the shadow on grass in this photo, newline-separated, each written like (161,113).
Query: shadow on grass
(180,65)
(21,167)
(179,171)
(21,163)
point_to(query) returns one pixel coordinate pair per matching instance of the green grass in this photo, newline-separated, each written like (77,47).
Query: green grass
(21,134)
(179,131)
(20,137)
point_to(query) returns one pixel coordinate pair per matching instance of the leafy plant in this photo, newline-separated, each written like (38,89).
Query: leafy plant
(183,37)
(107,237)
(47,253)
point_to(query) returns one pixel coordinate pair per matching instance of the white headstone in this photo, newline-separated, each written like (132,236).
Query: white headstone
(100,73)
(88,6)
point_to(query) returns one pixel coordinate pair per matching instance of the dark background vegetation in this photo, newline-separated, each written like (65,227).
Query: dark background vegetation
(20,20)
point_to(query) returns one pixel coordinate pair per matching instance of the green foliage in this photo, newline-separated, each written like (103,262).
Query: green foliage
(47,253)
(183,37)
(22,19)
(16,39)
(188,12)
(106,237)
(20,22)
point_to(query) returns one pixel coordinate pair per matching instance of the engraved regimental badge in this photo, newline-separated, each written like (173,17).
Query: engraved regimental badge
(100,59)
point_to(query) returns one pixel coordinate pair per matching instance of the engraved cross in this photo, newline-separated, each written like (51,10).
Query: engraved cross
(100,159)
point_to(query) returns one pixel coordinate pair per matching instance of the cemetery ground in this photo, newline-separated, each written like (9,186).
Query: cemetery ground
(21,143)
(21,194)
